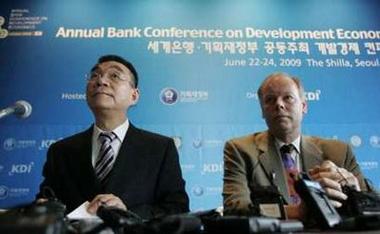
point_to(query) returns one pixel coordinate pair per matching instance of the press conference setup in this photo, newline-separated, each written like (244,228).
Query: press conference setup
(189,117)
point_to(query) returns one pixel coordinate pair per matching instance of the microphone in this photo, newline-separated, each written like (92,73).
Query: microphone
(21,108)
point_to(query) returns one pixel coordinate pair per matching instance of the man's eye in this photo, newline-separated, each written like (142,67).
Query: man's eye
(94,75)
(289,97)
(269,100)
(115,76)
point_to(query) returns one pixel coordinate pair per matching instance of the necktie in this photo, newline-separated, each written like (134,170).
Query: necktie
(291,171)
(106,156)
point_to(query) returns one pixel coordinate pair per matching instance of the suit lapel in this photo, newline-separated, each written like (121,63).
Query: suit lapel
(272,163)
(82,166)
(124,169)
(311,155)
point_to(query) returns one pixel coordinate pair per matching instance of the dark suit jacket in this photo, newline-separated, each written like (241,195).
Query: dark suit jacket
(146,174)
(252,160)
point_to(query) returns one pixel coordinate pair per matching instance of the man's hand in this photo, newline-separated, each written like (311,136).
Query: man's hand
(41,200)
(106,200)
(332,178)
(296,211)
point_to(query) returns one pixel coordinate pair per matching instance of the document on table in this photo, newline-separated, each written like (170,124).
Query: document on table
(81,212)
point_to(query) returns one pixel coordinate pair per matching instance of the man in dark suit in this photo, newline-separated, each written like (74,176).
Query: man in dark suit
(257,159)
(114,163)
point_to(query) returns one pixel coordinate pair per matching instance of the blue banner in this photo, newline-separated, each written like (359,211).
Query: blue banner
(200,64)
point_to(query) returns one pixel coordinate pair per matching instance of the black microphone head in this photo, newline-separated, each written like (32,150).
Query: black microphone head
(23,109)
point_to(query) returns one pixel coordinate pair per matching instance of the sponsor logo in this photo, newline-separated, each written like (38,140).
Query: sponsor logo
(374,141)
(355,141)
(193,95)
(214,190)
(197,190)
(313,96)
(9,144)
(212,168)
(197,143)
(3,32)
(12,144)
(21,169)
(46,143)
(177,141)
(209,190)
(3,192)
(369,165)
(187,167)
(169,96)
(6,192)
(252,95)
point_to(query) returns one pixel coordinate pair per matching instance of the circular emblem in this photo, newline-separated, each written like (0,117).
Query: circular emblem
(197,143)
(3,192)
(197,190)
(9,144)
(356,141)
(169,96)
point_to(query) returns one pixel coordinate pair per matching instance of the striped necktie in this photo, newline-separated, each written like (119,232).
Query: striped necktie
(291,171)
(106,156)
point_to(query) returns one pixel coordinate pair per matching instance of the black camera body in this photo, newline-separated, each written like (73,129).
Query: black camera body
(267,201)
(35,218)
(360,203)
(316,199)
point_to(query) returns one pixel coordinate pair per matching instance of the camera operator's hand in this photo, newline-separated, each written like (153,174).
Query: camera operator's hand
(107,200)
(332,178)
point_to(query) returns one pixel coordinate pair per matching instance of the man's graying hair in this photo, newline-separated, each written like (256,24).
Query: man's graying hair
(298,83)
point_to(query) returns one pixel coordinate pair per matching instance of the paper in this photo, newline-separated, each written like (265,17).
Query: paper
(81,213)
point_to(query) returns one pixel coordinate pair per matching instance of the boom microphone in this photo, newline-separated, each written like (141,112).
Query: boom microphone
(21,108)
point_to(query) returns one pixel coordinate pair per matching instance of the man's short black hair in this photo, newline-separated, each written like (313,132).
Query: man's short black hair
(119,59)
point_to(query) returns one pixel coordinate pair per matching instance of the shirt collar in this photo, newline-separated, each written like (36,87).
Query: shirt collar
(296,143)
(120,131)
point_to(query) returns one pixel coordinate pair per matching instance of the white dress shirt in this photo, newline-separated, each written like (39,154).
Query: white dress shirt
(120,133)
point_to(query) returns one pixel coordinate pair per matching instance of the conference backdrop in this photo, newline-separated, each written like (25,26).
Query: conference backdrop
(200,64)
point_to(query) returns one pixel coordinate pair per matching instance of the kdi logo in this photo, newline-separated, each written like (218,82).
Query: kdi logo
(46,144)
(21,169)
(212,167)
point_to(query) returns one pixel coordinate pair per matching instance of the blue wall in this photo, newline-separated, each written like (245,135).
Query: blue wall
(333,46)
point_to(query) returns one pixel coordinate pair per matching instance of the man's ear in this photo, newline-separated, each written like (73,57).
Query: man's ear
(304,107)
(135,96)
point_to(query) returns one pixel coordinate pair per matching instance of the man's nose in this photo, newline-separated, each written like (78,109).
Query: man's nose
(280,103)
(102,80)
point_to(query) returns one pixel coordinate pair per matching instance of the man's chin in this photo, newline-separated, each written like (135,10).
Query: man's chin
(101,105)
(283,127)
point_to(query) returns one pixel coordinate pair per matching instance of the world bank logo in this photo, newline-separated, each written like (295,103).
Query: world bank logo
(3,192)
(9,144)
(169,96)
(3,32)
